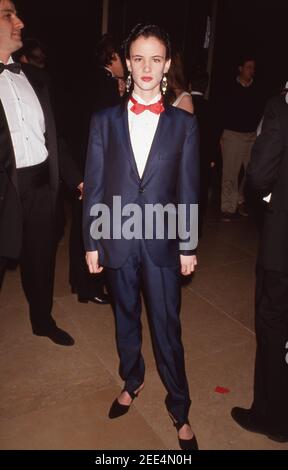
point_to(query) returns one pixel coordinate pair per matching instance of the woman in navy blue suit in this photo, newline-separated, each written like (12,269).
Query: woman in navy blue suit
(146,153)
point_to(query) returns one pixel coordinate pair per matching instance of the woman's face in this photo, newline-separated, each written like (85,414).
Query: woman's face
(147,64)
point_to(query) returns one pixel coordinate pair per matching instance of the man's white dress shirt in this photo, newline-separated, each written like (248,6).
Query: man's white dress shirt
(25,118)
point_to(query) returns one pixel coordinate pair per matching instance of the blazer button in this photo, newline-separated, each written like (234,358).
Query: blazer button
(141,190)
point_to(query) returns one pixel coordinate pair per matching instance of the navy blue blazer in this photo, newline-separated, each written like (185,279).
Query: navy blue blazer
(171,176)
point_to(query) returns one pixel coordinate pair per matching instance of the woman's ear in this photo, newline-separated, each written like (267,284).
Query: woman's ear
(167,65)
(128,63)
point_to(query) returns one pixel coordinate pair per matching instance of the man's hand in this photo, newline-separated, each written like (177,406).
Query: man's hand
(188,264)
(92,260)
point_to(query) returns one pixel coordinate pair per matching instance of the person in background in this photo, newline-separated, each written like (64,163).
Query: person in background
(32,52)
(178,94)
(106,90)
(29,178)
(107,79)
(240,112)
(207,138)
(267,176)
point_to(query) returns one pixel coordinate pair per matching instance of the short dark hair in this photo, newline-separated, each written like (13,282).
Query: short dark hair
(105,50)
(245,58)
(28,48)
(147,30)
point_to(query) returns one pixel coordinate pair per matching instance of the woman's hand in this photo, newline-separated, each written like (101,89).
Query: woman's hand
(92,260)
(188,264)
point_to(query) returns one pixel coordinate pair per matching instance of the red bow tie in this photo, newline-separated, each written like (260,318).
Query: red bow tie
(138,108)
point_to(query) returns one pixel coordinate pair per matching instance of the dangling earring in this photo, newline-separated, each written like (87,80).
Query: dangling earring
(128,82)
(164,84)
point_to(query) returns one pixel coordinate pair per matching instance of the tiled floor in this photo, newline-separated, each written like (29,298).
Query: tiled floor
(57,398)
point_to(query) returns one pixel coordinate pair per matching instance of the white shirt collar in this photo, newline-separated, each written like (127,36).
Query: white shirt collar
(242,84)
(10,61)
(141,101)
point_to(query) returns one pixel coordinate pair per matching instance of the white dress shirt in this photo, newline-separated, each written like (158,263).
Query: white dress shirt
(25,118)
(142,128)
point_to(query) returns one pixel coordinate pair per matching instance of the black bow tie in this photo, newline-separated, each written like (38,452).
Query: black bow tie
(14,67)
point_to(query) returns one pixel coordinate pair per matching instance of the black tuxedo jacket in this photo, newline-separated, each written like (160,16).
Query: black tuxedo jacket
(267,173)
(208,138)
(104,90)
(10,209)
(171,176)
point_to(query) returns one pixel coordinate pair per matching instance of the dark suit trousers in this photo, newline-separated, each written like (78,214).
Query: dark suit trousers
(37,260)
(82,282)
(161,288)
(271,369)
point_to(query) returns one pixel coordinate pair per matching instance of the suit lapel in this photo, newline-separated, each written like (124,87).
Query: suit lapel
(123,129)
(152,159)
(42,93)
(7,156)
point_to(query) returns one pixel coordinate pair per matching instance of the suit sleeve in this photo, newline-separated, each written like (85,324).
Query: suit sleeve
(188,187)
(262,171)
(93,180)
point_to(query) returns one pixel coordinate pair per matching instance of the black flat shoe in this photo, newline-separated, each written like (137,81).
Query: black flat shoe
(56,335)
(249,421)
(185,444)
(188,444)
(117,409)
(102,299)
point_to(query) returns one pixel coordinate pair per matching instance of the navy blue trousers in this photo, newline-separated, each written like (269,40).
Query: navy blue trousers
(162,293)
